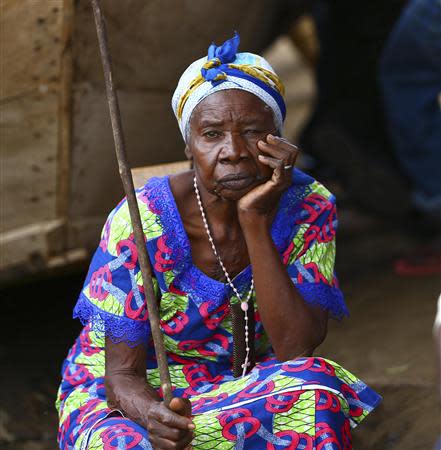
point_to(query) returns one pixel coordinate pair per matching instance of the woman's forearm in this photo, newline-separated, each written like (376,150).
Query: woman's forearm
(131,395)
(128,391)
(294,327)
(126,386)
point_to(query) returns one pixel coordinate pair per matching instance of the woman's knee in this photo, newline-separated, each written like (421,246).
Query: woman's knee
(118,432)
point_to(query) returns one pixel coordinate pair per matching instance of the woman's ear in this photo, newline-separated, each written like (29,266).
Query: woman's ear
(188,153)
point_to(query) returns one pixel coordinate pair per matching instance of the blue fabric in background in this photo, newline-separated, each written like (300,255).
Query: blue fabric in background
(410,78)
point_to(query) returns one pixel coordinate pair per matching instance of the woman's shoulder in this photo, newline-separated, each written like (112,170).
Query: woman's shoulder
(150,199)
(309,184)
(305,187)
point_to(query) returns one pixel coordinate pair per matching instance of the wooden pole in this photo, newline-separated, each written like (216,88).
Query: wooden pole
(127,181)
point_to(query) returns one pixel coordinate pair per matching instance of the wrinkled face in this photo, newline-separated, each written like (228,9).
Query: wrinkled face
(224,130)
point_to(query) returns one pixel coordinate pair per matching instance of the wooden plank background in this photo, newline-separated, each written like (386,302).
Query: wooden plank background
(59,177)
(30,60)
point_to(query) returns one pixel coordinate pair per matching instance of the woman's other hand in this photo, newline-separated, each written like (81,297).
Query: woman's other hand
(170,428)
(127,390)
(280,155)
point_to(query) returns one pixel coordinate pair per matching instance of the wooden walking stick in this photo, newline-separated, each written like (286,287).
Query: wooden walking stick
(127,181)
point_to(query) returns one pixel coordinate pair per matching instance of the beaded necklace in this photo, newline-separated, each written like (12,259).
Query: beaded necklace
(243,302)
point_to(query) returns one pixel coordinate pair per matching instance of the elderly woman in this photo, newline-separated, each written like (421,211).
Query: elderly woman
(242,248)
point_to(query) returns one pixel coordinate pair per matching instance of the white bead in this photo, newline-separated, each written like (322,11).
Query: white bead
(244,306)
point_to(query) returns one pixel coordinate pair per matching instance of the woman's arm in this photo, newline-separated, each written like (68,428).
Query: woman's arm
(125,363)
(294,327)
(126,385)
(128,391)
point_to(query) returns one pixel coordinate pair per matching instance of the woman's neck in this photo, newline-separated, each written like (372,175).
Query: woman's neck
(223,223)
(219,210)
(221,213)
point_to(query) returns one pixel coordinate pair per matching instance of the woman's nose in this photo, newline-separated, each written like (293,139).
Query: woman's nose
(234,148)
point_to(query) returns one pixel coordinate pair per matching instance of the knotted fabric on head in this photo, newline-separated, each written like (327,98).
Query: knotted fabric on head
(223,68)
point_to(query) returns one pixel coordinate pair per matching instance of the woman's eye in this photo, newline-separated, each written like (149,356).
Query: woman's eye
(212,134)
(252,131)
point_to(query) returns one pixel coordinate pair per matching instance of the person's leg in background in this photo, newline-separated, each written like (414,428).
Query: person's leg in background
(347,134)
(410,77)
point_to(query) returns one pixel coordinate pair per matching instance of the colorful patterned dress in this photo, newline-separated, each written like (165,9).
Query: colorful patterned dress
(306,403)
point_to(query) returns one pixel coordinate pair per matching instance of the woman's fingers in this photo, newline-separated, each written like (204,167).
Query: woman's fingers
(159,429)
(172,419)
(274,163)
(181,406)
(279,148)
(280,156)
(273,150)
(162,436)
(281,142)
(171,429)
(187,441)
(279,177)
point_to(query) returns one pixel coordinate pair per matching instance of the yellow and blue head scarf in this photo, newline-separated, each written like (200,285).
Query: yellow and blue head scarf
(224,68)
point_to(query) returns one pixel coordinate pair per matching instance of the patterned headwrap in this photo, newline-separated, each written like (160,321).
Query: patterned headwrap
(224,68)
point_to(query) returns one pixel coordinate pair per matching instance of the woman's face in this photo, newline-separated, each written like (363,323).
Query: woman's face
(224,130)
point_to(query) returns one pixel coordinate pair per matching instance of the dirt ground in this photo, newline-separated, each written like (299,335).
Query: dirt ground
(387,341)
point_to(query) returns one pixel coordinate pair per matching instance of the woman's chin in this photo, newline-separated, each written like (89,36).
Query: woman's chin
(234,192)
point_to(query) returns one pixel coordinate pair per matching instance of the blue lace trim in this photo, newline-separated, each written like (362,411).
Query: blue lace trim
(117,328)
(187,276)
(161,200)
(282,228)
(327,297)
(200,286)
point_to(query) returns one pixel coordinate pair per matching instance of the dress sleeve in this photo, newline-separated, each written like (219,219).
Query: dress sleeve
(310,255)
(112,300)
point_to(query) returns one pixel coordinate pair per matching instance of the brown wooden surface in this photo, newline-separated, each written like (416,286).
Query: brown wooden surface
(65,113)
(30,46)
(94,174)
(142,174)
(55,161)
(164,36)
(29,159)
(30,62)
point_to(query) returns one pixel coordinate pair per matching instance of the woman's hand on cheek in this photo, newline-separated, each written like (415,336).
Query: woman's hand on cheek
(279,155)
(170,428)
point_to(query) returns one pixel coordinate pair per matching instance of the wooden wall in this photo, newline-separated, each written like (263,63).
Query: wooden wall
(33,140)
(59,177)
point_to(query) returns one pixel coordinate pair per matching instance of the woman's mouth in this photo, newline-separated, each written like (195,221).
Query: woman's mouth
(237,181)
